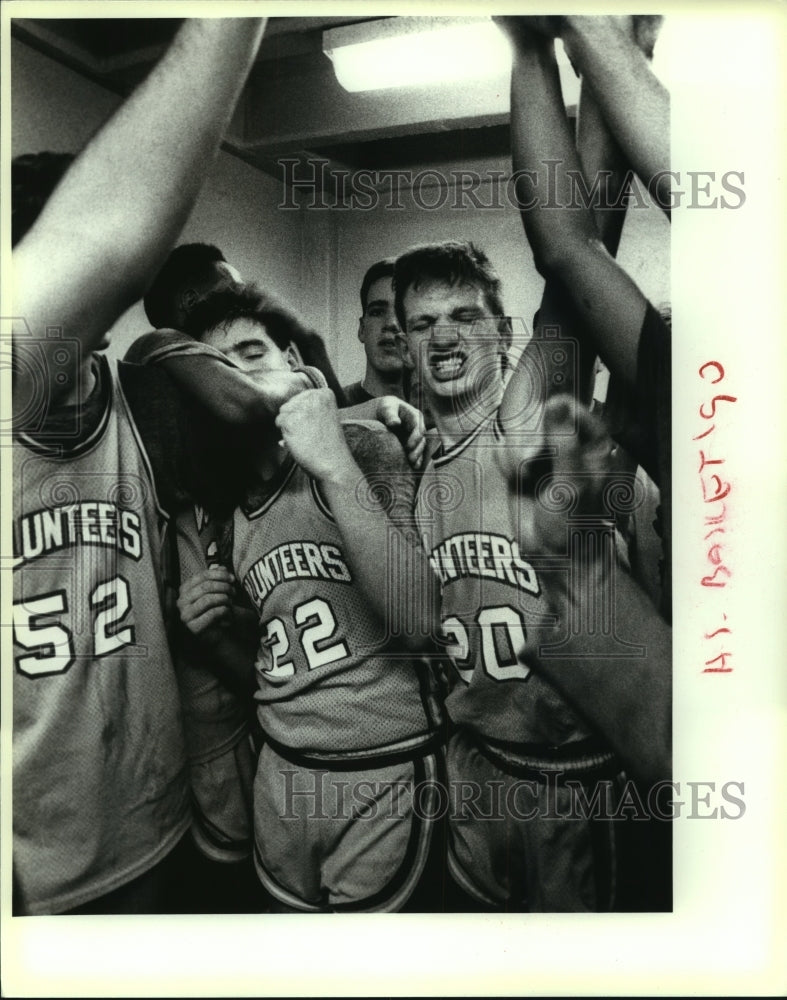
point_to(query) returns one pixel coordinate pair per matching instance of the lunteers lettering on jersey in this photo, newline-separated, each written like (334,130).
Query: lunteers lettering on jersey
(492,597)
(100,784)
(330,679)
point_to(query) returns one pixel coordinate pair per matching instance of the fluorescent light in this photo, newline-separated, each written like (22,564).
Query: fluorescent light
(409,51)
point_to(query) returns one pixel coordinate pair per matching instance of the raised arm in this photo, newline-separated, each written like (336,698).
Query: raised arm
(566,244)
(370,490)
(634,102)
(110,223)
(602,184)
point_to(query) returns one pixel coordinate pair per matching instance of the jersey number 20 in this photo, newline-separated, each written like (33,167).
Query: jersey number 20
(504,621)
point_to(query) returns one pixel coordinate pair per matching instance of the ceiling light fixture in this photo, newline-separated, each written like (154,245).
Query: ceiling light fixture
(409,51)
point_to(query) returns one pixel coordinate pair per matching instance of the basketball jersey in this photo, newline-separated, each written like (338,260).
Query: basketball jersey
(99,776)
(492,596)
(214,718)
(329,680)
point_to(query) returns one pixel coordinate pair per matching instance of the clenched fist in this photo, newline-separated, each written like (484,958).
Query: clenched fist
(310,428)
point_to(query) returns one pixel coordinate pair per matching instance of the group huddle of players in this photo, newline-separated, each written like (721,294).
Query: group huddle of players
(383,668)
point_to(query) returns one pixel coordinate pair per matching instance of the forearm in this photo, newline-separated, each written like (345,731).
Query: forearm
(231,395)
(107,228)
(387,560)
(211,378)
(544,158)
(628,699)
(606,180)
(603,164)
(634,102)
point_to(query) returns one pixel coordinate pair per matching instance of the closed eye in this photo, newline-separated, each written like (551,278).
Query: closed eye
(467,315)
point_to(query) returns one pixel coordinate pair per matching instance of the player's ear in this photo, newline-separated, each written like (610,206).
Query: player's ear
(505,338)
(293,355)
(506,332)
(407,357)
(361,330)
(188,299)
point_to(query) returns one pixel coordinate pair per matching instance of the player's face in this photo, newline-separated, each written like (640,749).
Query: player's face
(453,340)
(379,331)
(246,342)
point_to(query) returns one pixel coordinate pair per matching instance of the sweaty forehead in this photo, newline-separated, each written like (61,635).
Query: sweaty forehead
(441,297)
(228,336)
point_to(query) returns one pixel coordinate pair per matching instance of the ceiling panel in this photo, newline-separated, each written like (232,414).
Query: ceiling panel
(292,103)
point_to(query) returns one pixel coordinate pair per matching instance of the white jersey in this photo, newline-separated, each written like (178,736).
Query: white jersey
(100,782)
(492,596)
(331,681)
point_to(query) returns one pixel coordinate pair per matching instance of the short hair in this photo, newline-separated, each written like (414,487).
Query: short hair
(188,262)
(452,262)
(380,269)
(283,327)
(34,176)
(224,306)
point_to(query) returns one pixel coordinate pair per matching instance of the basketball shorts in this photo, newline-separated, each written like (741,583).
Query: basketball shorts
(519,841)
(354,840)
(222,802)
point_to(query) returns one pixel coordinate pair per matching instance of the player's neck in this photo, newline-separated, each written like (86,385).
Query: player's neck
(455,419)
(383,384)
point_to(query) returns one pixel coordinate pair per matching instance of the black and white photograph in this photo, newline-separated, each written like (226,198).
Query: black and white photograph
(367,549)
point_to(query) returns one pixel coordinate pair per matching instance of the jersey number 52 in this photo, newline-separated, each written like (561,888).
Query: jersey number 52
(50,644)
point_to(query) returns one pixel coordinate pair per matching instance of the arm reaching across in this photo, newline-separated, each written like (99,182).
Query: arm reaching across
(113,218)
(231,394)
(369,523)
(627,697)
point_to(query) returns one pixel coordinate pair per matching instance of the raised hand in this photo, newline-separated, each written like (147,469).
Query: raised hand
(407,423)
(577,468)
(310,428)
(521,29)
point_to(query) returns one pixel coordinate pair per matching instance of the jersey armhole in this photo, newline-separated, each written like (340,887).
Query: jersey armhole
(72,430)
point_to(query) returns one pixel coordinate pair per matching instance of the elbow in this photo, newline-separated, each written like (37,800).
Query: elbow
(554,256)
(561,257)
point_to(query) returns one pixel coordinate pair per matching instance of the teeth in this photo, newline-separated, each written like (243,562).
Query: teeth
(448,366)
